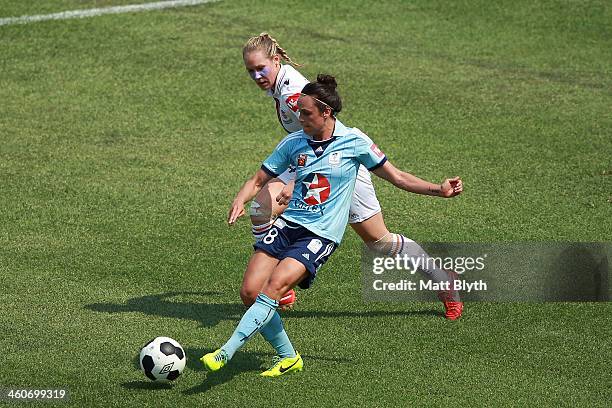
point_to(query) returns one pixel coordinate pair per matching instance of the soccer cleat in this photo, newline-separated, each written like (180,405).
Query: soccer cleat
(453,310)
(287,301)
(214,361)
(452,303)
(284,365)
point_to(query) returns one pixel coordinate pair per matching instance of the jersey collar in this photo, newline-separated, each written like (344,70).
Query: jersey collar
(340,129)
(278,85)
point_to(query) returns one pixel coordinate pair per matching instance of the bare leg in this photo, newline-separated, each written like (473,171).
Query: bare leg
(288,273)
(377,237)
(265,209)
(258,271)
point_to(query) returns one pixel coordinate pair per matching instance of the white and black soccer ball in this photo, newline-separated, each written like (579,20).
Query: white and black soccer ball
(162,359)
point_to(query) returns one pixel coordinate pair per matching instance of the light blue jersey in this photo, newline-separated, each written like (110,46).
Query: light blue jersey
(325,176)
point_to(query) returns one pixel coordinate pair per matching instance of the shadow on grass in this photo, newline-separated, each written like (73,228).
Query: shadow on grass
(241,363)
(201,307)
(146,385)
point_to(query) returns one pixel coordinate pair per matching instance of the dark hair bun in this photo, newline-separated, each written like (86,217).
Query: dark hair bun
(328,81)
(324,90)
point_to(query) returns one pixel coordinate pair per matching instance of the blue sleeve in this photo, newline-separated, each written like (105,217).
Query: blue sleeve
(368,153)
(279,160)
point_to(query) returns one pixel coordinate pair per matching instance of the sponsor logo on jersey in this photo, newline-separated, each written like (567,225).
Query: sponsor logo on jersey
(315,189)
(291,101)
(376,150)
(301,160)
(306,256)
(310,208)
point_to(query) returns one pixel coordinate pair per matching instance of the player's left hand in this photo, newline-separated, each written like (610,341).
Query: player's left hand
(286,308)
(284,196)
(451,187)
(236,211)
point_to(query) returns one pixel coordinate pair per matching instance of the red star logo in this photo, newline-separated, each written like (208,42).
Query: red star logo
(316,189)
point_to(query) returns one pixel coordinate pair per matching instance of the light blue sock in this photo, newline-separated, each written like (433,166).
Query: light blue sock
(275,334)
(257,316)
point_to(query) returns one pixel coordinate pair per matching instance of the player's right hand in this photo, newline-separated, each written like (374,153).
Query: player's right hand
(284,196)
(236,211)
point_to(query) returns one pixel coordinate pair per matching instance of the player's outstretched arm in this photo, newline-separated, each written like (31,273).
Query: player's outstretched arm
(248,191)
(406,181)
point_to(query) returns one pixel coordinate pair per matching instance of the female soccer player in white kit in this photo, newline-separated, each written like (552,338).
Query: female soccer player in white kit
(262,58)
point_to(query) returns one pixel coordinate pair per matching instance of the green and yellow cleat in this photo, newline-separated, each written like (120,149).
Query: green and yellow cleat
(214,361)
(284,366)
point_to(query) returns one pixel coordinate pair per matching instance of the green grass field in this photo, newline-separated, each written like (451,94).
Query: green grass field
(124,138)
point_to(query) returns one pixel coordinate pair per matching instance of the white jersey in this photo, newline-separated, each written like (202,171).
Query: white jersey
(286,92)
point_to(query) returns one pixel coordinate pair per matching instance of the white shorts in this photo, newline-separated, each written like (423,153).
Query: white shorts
(364,204)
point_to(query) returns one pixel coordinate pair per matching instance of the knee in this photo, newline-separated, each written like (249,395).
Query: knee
(276,287)
(248,295)
(260,212)
(392,244)
(261,218)
(382,245)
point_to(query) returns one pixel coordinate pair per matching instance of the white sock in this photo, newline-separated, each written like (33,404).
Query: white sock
(396,244)
(260,231)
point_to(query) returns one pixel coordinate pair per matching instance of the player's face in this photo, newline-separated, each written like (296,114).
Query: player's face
(311,118)
(262,69)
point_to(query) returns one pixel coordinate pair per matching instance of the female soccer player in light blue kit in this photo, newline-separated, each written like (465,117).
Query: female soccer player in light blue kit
(262,58)
(326,156)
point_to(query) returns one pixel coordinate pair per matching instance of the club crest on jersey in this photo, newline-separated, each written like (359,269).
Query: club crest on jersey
(315,189)
(376,150)
(301,160)
(291,101)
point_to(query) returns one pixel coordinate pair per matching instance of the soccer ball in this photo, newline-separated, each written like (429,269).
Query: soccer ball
(162,359)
